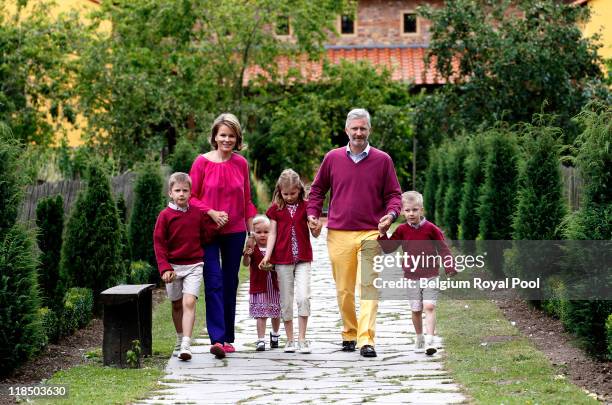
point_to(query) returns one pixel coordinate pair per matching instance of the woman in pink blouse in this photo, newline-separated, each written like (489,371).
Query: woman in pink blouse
(221,188)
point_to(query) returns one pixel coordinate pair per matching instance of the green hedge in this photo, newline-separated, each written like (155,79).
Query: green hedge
(140,272)
(21,335)
(609,335)
(50,324)
(50,222)
(77,311)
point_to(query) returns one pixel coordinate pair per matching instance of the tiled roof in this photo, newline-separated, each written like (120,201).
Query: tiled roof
(405,63)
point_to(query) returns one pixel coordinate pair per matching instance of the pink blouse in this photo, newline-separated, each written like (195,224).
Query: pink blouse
(223,186)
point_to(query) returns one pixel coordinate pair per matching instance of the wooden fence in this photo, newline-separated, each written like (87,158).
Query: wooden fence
(69,189)
(572,186)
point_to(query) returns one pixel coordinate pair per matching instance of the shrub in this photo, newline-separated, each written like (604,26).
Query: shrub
(50,222)
(21,334)
(126,252)
(587,319)
(91,254)
(148,203)
(50,324)
(431,185)
(455,177)
(77,311)
(140,272)
(474,177)
(185,152)
(10,190)
(442,184)
(498,194)
(540,204)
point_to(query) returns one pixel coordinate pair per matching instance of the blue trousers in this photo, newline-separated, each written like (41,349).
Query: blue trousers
(221,267)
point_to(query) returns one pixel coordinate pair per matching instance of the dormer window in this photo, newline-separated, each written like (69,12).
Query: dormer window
(409,25)
(347,24)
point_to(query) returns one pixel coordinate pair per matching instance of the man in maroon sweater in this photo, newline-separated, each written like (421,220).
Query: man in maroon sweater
(365,197)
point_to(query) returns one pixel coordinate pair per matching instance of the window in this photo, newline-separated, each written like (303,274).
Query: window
(347,24)
(282,26)
(410,23)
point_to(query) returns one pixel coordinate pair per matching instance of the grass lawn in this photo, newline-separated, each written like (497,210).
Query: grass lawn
(495,363)
(94,383)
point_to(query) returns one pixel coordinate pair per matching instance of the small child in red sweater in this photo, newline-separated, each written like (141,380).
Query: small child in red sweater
(290,251)
(180,232)
(264,296)
(417,228)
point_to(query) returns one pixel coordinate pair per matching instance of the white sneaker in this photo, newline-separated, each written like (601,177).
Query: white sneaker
(304,346)
(419,344)
(260,346)
(290,346)
(430,347)
(177,346)
(185,353)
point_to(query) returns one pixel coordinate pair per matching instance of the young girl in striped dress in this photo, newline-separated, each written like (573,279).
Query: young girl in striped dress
(264,297)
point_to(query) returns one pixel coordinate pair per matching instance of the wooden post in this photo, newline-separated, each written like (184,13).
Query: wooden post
(127,317)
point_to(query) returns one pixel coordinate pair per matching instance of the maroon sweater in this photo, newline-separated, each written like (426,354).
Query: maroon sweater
(178,237)
(258,280)
(282,248)
(426,240)
(361,193)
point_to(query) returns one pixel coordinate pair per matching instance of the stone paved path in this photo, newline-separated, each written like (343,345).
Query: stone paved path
(327,375)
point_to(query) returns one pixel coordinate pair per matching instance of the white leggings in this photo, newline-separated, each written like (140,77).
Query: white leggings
(290,277)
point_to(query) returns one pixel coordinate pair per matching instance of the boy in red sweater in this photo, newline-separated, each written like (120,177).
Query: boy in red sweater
(180,232)
(417,228)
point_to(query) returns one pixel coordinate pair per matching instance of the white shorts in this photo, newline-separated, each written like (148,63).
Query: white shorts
(187,281)
(418,295)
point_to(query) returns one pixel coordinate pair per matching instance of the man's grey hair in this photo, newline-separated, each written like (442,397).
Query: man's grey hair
(358,113)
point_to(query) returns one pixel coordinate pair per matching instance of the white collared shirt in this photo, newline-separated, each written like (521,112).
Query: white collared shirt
(420,224)
(177,208)
(357,157)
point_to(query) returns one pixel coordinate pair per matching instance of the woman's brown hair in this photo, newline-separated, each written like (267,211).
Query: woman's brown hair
(230,121)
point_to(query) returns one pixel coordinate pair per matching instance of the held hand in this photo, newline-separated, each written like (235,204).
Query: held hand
(220,217)
(250,243)
(247,251)
(265,263)
(313,222)
(316,231)
(384,224)
(168,276)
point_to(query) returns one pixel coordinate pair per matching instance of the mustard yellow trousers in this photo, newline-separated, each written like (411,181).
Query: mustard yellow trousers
(351,254)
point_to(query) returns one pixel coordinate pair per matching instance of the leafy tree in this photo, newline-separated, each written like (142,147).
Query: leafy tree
(21,334)
(50,222)
(142,85)
(505,59)
(35,89)
(91,252)
(147,205)
(294,126)
(126,252)
(183,156)
(474,177)
(452,199)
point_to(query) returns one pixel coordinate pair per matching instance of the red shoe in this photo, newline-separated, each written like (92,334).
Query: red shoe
(228,348)
(217,350)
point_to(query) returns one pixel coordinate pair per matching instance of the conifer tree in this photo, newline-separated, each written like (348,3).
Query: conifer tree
(148,203)
(442,184)
(431,185)
(474,178)
(456,176)
(50,222)
(91,253)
